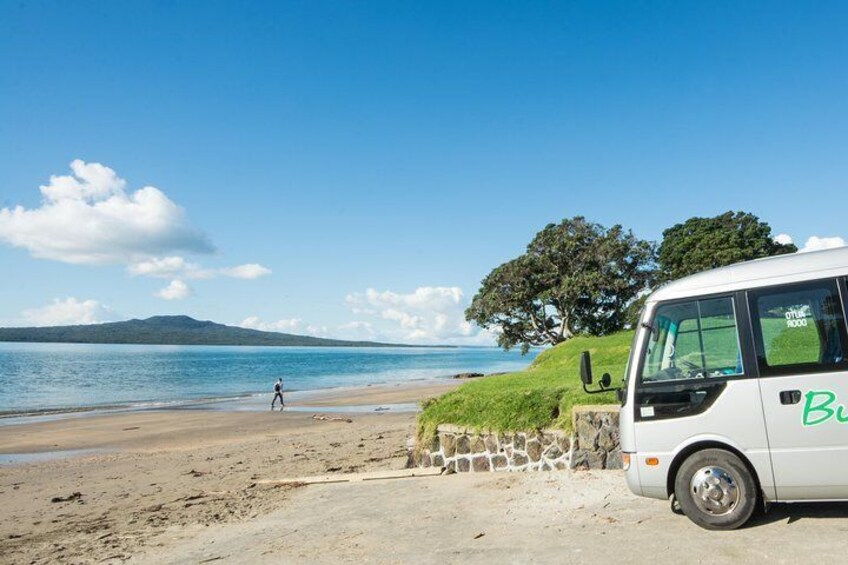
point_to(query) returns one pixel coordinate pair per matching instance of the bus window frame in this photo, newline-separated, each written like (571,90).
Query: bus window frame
(746,328)
(842,284)
(742,324)
(798,369)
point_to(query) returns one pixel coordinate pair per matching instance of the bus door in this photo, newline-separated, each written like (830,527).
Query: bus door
(801,343)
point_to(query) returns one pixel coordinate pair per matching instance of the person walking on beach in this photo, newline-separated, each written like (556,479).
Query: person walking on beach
(278,393)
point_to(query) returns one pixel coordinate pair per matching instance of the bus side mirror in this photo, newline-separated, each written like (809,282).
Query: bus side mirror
(586,375)
(585,368)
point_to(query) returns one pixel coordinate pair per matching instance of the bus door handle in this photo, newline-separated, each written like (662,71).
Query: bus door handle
(790,396)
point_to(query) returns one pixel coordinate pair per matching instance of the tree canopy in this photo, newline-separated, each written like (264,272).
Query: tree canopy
(699,244)
(576,277)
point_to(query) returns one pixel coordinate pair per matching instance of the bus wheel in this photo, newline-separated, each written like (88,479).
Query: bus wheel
(715,490)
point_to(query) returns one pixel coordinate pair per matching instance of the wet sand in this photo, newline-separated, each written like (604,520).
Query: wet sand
(109,486)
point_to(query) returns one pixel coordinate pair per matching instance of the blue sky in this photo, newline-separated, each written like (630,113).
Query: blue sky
(405,148)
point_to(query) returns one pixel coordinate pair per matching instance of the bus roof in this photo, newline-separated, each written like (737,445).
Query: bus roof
(782,269)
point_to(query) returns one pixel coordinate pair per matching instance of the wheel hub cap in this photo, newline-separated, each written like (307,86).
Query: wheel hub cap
(714,490)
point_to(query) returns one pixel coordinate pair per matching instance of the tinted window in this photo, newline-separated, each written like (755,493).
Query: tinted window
(693,339)
(799,328)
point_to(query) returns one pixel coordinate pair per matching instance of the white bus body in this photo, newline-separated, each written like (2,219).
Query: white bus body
(736,393)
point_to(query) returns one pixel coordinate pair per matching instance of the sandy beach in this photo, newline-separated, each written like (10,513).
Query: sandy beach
(107,487)
(186,487)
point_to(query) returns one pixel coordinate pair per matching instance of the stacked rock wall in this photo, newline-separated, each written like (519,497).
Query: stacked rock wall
(596,440)
(462,450)
(594,445)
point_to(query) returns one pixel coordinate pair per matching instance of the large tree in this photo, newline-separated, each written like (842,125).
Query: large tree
(576,277)
(699,244)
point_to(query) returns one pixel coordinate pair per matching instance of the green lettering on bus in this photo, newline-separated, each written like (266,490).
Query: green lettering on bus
(821,408)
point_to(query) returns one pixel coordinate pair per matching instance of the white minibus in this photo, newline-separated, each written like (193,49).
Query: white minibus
(736,391)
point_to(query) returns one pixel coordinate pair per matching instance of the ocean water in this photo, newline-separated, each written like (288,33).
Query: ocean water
(36,377)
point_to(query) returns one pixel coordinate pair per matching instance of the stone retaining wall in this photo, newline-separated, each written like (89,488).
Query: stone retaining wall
(461,450)
(594,445)
(596,442)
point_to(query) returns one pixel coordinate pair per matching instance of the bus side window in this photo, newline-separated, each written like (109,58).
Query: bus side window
(799,328)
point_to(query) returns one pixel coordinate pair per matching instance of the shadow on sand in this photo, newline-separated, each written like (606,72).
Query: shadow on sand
(798,511)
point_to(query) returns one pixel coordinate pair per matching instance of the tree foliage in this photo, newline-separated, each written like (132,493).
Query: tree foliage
(699,244)
(576,277)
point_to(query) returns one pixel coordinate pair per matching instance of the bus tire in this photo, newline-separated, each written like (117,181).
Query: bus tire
(715,489)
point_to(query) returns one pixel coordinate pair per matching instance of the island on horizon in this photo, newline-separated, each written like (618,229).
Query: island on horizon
(174,330)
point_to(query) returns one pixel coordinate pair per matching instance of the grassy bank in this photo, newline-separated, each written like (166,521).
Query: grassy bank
(539,397)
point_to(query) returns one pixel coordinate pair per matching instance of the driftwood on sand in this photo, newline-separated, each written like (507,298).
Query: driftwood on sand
(353,477)
(331,418)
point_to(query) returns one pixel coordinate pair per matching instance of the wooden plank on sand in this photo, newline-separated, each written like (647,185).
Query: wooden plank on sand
(355,477)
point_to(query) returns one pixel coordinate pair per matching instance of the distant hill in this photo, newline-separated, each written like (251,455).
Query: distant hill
(171,330)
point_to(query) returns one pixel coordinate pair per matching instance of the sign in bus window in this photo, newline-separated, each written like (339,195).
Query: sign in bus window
(800,327)
(693,339)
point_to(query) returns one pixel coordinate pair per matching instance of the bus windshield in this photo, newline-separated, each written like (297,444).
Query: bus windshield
(693,339)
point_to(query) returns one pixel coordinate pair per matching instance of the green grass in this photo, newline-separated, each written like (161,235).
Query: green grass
(542,395)
(538,397)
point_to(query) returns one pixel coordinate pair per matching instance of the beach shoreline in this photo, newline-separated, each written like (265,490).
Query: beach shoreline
(340,400)
(90,488)
(248,401)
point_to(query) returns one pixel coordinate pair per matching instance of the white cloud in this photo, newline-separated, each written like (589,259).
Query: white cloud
(176,290)
(317,331)
(247,271)
(175,266)
(69,311)
(813,243)
(423,298)
(358,326)
(89,218)
(288,325)
(407,321)
(355,330)
(783,239)
(816,243)
(429,314)
(164,267)
(90,181)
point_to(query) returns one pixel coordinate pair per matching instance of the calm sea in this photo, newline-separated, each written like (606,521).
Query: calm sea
(36,377)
